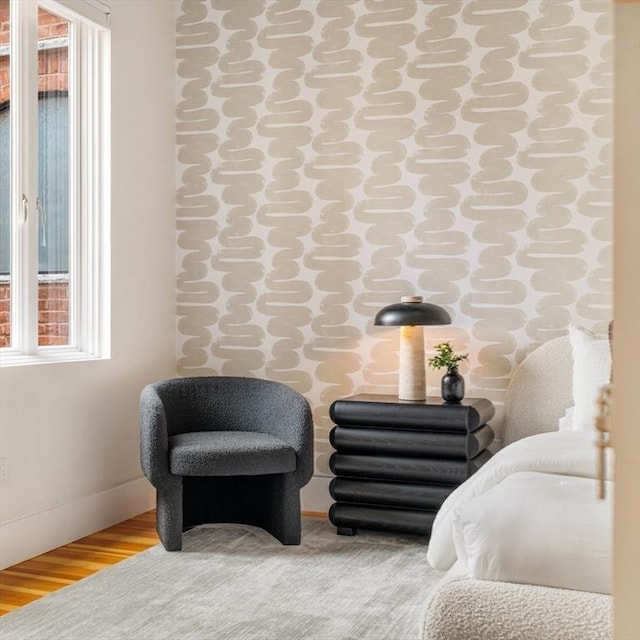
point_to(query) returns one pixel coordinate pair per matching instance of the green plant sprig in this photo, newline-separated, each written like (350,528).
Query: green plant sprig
(445,358)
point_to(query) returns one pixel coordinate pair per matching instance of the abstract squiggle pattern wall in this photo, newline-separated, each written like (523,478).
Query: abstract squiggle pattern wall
(196,206)
(555,156)
(495,208)
(333,260)
(334,156)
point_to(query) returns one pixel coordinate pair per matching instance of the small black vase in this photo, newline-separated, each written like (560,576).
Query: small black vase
(452,386)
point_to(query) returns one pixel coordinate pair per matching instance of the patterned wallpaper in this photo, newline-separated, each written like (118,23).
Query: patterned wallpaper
(335,155)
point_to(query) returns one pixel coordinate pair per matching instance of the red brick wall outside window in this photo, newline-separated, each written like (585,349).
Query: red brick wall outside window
(53,296)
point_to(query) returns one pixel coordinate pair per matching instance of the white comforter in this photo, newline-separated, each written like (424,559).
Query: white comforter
(564,453)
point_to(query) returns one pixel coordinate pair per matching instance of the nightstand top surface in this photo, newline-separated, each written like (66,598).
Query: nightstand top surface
(382,398)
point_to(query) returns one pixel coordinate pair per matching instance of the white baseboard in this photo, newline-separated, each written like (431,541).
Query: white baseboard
(41,532)
(315,497)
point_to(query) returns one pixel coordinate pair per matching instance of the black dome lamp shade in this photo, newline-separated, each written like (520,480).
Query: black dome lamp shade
(412,314)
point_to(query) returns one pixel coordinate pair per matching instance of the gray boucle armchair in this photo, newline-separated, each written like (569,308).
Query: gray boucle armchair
(226,449)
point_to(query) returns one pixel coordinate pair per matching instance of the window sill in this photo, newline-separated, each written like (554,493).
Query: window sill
(9,358)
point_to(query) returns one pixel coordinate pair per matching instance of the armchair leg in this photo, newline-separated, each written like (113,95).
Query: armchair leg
(284,521)
(169,518)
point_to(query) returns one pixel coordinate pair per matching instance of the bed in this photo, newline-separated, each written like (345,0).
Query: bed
(525,543)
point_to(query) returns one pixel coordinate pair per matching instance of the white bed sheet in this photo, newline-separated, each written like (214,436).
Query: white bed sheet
(570,453)
(538,528)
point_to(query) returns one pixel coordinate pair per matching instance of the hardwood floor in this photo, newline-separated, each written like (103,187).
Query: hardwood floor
(32,579)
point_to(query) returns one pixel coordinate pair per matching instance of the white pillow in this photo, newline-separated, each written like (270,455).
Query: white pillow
(591,371)
(538,528)
(565,423)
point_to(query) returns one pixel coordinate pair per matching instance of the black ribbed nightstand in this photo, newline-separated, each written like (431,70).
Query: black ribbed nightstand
(396,461)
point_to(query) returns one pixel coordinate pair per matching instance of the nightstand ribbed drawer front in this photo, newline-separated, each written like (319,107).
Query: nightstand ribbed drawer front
(398,442)
(403,469)
(404,442)
(371,410)
(386,519)
(394,494)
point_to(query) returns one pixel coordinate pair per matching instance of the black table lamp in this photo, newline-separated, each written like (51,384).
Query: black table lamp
(412,314)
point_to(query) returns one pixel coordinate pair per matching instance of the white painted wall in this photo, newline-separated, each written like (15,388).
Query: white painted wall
(70,431)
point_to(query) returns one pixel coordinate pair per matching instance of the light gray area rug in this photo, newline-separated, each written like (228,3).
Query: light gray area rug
(237,582)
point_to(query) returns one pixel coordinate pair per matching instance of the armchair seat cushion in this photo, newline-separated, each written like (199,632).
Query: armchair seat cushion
(227,453)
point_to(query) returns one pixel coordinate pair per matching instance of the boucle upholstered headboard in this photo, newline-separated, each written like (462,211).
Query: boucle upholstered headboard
(540,391)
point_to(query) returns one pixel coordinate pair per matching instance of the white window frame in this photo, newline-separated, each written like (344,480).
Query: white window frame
(89,188)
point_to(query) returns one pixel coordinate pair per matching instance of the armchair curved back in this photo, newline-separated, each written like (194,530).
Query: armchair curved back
(225,403)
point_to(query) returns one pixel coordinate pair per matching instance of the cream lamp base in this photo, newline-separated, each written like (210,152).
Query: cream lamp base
(411,376)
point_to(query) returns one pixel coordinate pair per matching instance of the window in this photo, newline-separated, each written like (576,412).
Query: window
(54,191)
